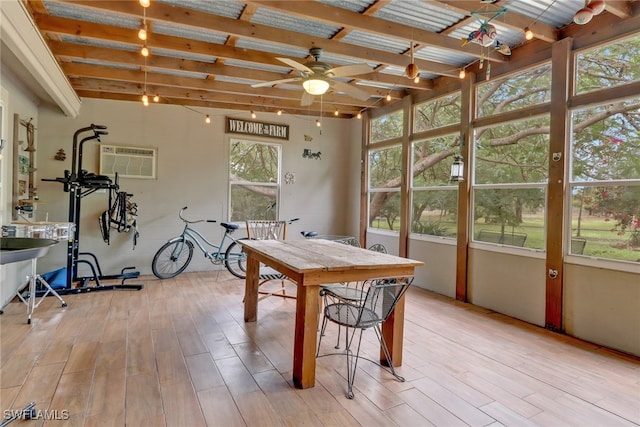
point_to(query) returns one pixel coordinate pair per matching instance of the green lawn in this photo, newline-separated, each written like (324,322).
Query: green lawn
(601,241)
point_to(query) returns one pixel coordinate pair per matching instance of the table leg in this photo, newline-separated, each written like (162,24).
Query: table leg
(393,332)
(305,339)
(251,289)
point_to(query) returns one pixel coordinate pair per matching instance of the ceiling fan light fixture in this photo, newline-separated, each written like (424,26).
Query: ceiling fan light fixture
(315,86)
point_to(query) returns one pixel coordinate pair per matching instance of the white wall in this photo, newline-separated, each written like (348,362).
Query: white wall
(16,99)
(602,306)
(439,271)
(508,283)
(192,171)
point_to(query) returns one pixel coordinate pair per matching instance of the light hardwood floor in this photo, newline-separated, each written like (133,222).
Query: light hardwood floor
(178,353)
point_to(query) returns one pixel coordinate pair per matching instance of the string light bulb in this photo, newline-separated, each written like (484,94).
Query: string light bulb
(156,98)
(417,79)
(144,51)
(462,74)
(318,122)
(142,32)
(528,34)
(336,113)
(207,119)
(145,99)
(145,3)
(359,116)
(388,97)
(279,112)
(253,115)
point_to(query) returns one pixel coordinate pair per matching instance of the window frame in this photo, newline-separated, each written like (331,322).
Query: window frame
(277,185)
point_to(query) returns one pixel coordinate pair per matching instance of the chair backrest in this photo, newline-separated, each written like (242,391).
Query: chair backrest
(266,229)
(378,247)
(381,299)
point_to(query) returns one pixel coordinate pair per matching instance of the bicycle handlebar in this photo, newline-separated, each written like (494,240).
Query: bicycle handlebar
(192,222)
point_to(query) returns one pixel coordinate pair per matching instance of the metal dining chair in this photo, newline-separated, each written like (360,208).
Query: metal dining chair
(370,311)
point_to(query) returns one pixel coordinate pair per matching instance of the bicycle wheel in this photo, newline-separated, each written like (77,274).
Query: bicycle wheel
(172,259)
(236,260)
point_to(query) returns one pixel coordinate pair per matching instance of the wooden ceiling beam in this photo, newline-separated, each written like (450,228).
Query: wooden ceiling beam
(354,20)
(220,24)
(111,57)
(212,104)
(137,76)
(255,102)
(75,28)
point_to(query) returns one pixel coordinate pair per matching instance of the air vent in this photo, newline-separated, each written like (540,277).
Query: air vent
(128,162)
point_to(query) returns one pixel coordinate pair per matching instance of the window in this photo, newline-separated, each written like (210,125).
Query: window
(434,200)
(510,179)
(385,177)
(605,181)
(525,89)
(387,127)
(608,66)
(437,113)
(254,180)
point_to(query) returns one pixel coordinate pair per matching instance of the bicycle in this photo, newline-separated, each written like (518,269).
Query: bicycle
(174,256)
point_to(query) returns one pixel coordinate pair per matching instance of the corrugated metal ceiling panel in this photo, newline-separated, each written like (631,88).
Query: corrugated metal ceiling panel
(426,16)
(551,12)
(276,19)
(278,49)
(186,32)
(71,11)
(376,41)
(352,5)
(257,66)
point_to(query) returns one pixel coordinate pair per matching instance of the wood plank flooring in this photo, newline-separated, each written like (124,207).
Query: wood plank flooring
(178,353)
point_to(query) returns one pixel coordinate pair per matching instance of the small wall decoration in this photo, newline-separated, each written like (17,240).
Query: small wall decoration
(308,138)
(309,155)
(23,165)
(60,155)
(289,178)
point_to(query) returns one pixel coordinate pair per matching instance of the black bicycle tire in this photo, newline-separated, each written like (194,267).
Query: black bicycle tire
(156,265)
(241,270)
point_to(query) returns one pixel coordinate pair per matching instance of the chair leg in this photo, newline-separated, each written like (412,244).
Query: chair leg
(385,350)
(352,360)
(322,328)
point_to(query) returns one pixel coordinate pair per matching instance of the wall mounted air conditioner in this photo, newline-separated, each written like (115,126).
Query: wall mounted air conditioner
(128,162)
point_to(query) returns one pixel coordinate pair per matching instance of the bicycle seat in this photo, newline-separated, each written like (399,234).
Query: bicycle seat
(229,227)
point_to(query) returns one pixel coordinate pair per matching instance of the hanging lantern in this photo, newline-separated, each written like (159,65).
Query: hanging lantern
(412,69)
(457,169)
(583,16)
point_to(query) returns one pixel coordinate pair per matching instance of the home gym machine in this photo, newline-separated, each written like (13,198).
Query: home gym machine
(80,183)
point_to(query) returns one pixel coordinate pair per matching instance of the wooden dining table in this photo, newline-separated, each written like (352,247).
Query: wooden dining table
(310,263)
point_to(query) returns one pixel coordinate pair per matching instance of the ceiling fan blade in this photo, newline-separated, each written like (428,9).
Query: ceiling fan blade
(275,82)
(349,70)
(307,99)
(350,90)
(294,64)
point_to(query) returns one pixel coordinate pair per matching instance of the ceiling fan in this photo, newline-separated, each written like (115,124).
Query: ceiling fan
(317,77)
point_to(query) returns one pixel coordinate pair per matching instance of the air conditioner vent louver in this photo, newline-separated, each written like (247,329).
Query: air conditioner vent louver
(128,162)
